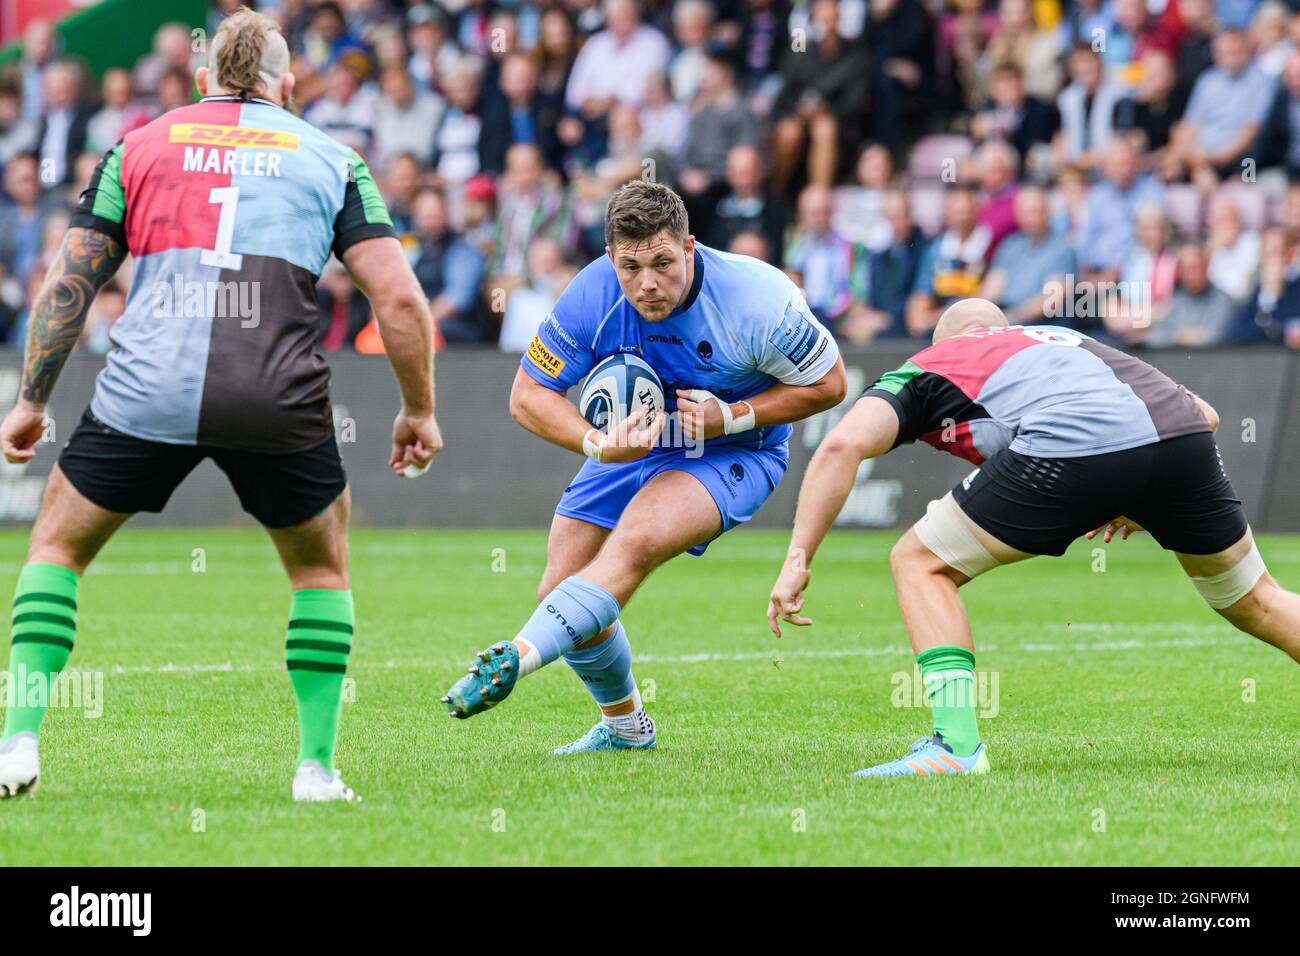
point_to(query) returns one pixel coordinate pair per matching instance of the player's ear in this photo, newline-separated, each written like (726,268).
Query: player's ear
(201,80)
(689,245)
(287,81)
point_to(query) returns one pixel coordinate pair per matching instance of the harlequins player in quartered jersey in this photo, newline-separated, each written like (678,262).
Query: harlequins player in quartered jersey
(1022,399)
(1072,438)
(230,208)
(1039,390)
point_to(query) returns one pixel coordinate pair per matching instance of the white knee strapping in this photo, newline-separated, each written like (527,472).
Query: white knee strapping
(1226,589)
(944,531)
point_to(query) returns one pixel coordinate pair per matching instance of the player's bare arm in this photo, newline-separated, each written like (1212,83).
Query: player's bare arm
(381,271)
(1208,411)
(703,418)
(867,431)
(86,260)
(549,415)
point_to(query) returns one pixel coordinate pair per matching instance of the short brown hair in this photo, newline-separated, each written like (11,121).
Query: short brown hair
(641,210)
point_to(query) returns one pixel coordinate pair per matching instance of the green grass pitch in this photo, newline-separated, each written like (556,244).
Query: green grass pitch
(1132,725)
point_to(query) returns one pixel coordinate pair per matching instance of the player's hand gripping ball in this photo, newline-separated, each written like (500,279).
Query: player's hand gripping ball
(617,387)
(624,401)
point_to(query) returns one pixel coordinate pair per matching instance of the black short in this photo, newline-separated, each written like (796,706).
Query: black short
(126,474)
(1176,489)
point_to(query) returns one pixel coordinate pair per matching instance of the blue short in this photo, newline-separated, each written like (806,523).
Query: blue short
(739,477)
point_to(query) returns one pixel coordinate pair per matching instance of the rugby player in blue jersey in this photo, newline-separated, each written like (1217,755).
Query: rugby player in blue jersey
(741,356)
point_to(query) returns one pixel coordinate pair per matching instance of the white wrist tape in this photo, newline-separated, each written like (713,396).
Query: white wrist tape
(593,449)
(731,424)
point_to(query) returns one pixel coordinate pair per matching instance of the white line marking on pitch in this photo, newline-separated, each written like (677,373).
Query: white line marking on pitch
(901,650)
(706,657)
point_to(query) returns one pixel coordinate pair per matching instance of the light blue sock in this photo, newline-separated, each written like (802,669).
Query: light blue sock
(606,669)
(576,611)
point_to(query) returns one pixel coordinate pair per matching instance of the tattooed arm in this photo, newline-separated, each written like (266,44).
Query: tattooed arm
(85,262)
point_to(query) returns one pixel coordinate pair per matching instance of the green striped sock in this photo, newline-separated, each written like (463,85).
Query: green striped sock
(948,673)
(317,648)
(44,627)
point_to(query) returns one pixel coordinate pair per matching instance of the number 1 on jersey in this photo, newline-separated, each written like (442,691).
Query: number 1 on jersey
(220,256)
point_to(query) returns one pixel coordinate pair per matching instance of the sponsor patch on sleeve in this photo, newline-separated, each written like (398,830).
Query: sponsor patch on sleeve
(821,347)
(566,342)
(544,358)
(796,335)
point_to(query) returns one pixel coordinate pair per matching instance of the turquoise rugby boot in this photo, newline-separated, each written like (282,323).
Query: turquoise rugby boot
(601,737)
(931,757)
(489,681)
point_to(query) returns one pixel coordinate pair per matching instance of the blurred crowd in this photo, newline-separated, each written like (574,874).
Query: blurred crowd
(1130,168)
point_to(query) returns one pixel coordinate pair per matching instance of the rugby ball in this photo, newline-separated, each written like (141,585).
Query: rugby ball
(616,387)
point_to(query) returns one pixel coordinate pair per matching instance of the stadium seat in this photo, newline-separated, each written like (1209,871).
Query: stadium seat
(927,208)
(1250,201)
(926,165)
(1184,208)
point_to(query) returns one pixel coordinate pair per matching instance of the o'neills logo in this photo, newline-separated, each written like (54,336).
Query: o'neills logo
(75,908)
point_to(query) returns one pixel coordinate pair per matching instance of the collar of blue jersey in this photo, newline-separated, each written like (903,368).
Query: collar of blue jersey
(695,285)
(232,98)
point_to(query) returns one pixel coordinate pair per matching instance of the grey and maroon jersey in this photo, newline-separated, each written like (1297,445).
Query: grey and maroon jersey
(230,209)
(1039,390)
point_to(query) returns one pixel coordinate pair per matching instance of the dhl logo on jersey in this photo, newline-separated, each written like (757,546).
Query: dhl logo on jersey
(207,134)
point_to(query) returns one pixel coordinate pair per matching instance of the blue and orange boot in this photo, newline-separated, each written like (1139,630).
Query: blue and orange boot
(931,757)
